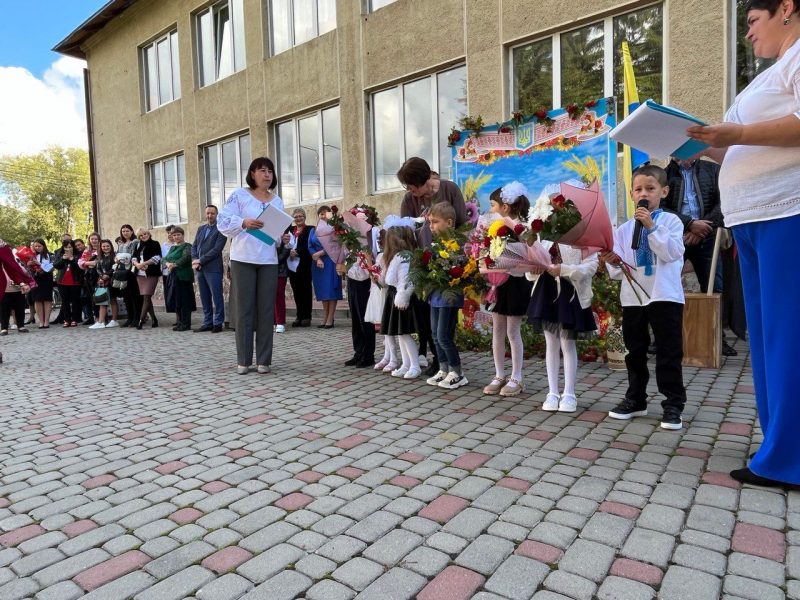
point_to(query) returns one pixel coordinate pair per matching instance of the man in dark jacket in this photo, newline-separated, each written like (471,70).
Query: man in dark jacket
(207,261)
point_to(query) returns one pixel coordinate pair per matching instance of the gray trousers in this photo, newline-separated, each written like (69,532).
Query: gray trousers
(254,310)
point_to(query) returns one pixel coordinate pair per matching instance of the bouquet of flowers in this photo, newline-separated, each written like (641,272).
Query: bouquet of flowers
(340,240)
(366,213)
(28,258)
(445,268)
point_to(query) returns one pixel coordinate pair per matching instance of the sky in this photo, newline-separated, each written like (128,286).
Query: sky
(41,92)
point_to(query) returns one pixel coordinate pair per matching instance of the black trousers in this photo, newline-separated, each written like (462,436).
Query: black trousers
(184,302)
(700,256)
(301,290)
(13,303)
(363,333)
(666,320)
(71,302)
(132,299)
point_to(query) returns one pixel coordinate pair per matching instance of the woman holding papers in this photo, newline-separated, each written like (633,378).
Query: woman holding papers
(254,263)
(758,146)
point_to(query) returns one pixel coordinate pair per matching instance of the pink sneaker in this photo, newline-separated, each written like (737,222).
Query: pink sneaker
(379,366)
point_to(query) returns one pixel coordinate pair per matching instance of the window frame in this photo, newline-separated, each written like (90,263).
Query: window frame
(171,37)
(182,202)
(292,42)
(237,47)
(608,54)
(435,146)
(320,149)
(241,168)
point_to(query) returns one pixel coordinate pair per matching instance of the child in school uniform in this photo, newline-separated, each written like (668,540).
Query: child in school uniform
(560,308)
(513,297)
(358,291)
(657,301)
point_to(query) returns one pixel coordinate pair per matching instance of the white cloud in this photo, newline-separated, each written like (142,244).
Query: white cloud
(35,113)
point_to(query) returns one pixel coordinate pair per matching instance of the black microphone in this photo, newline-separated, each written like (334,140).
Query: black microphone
(637,229)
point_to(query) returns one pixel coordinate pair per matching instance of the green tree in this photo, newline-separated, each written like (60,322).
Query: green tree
(14,226)
(52,189)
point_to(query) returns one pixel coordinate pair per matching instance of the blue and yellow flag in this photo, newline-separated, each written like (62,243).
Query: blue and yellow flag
(631,157)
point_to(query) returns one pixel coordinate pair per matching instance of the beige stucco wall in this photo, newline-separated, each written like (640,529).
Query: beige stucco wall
(407,39)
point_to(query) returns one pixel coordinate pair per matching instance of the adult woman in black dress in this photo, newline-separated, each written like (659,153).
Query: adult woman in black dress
(147,261)
(42,294)
(300,278)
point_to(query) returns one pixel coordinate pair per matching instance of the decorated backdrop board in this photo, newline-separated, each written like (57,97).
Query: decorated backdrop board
(563,145)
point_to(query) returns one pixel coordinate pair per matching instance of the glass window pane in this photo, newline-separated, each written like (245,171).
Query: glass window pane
(171,190)
(157,193)
(644,32)
(213,183)
(332,152)
(451,106)
(747,65)
(151,77)
(309,158)
(326,15)
(533,76)
(418,119)
(230,170)
(582,64)
(287,174)
(237,16)
(281,26)
(244,160)
(222,36)
(182,210)
(164,71)
(176,70)
(205,34)
(386,124)
(303,21)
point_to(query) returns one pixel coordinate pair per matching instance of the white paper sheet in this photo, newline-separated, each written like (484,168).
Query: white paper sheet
(275,223)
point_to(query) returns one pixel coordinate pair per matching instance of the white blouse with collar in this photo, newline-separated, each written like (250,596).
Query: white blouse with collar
(241,205)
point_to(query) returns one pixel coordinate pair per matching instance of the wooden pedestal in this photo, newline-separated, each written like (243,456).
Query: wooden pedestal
(702,338)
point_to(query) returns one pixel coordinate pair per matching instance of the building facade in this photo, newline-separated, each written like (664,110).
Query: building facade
(183,93)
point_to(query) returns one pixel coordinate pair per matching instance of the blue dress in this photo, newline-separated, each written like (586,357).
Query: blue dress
(327,282)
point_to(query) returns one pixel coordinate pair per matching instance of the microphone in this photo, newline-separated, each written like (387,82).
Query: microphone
(637,229)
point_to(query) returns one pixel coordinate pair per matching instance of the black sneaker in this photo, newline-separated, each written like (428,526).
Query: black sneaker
(728,350)
(671,419)
(352,362)
(627,409)
(433,368)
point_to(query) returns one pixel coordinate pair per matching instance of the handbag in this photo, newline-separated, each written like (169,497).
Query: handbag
(374,310)
(119,278)
(101,295)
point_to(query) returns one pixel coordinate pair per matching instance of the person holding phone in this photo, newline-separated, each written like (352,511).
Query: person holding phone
(70,282)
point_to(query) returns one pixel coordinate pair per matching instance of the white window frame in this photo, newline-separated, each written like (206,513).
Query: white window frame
(237,49)
(182,218)
(608,55)
(171,37)
(402,125)
(240,167)
(320,149)
(292,42)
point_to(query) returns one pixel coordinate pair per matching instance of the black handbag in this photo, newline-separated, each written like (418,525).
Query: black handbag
(119,278)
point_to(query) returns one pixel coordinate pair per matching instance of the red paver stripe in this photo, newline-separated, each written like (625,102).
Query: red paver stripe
(693,452)
(638,571)
(538,551)
(723,479)
(132,435)
(257,419)
(238,453)
(736,428)
(350,472)
(188,426)
(140,420)
(111,569)
(351,441)
(508,418)
(310,436)
(411,457)
(759,541)
(419,423)
(470,461)
(65,447)
(294,501)
(454,583)
(51,438)
(309,476)
(226,559)
(363,425)
(181,435)
(592,416)
(170,467)
(512,483)
(621,510)
(212,487)
(626,446)
(4,502)
(443,508)
(745,389)
(98,481)
(314,416)
(78,527)
(186,515)
(542,436)
(404,481)
(584,454)
(17,536)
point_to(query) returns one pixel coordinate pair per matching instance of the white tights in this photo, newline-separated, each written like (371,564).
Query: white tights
(554,343)
(409,352)
(391,350)
(502,327)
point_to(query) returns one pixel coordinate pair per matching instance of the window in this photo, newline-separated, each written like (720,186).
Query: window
(168,191)
(586,63)
(162,80)
(310,157)
(376,4)
(414,119)
(226,164)
(747,65)
(220,41)
(297,21)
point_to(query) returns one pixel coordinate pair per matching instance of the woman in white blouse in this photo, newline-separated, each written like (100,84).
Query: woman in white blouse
(254,265)
(758,146)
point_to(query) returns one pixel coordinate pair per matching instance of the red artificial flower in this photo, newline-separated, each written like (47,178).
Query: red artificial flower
(572,108)
(486,241)
(598,124)
(456,272)
(541,114)
(590,104)
(334,209)
(426,257)
(559,201)
(519,228)
(488,262)
(537,225)
(503,231)
(504,129)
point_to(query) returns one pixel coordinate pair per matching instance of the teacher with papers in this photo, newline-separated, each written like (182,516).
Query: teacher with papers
(254,220)
(758,146)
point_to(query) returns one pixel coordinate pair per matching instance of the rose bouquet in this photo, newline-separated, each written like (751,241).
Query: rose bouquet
(444,268)
(28,258)
(340,240)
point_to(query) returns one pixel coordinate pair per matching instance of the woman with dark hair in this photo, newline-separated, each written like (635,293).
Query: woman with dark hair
(70,282)
(178,261)
(104,267)
(327,281)
(300,278)
(42,294)
(146,261)
(88,262)
(130,293)
(758,147)
(254,264)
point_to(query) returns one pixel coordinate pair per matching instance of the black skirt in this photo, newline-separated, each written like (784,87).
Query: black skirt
(559,313)
(513,297)
(43,292)
(396,321)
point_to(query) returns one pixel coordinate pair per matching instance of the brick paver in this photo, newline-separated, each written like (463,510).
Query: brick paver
(200,483)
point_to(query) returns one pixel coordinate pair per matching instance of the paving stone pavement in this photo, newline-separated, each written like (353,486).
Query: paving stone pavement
(139,465)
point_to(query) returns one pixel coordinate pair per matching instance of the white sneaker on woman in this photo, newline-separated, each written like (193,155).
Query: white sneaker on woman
(436,379)
(453,381)
(280,329)
(112,323)
(98,325)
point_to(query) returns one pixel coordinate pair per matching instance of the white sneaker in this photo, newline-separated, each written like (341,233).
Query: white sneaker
(98,325)
(436,379)
(551,402)
(400,372)
(423,362)
(112,323)
(453,381)
(568,403)
(280,329)
(412,373)
(389,367)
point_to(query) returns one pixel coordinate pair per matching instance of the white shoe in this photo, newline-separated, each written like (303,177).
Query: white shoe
(568,403)
(380,365)
(280,329)
(98,325)
(453,381)
(423,362)
(436,379)
(242,370)
(112,323)
(551,402)
(390,366)
(400,372)
(412,373)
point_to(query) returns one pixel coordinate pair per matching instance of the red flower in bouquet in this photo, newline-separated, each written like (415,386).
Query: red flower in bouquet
(503,231)
(488,262)
(559,201)
(518,229)
(454,137)
(334,209)
(426,257)
(590,104)
(456,272)
(541,114)
(573,111)
(504,129)
(486,241)
(537,225)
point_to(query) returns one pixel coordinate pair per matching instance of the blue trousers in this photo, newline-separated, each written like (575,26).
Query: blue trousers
(443,331)
(210,285)
(771,292)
